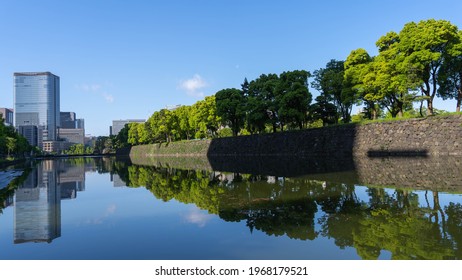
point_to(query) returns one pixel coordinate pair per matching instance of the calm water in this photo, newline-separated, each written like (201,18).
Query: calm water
(101,208)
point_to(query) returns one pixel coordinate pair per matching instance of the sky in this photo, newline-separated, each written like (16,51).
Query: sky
(128,59)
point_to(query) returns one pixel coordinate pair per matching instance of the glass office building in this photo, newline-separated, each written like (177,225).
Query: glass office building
(36,102)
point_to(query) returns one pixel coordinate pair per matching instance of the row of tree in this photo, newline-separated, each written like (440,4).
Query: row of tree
(79,149)
(422,61)
(199,120)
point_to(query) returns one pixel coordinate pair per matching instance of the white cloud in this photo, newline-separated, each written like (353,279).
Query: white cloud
(109,98)
(96,89)
(89,87)
(193,86)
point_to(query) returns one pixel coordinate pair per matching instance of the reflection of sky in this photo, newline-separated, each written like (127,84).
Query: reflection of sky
(197,217)
(130,223)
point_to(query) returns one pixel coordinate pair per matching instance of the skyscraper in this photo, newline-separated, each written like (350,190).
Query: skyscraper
(36,103)
(7,115)
(118,125)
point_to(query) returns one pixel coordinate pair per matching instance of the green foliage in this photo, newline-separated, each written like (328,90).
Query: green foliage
(104,145)
(12,144)
(426,45)
(225,132)
(293,98)
(329,82)
(450,74)
(358,80)
(230,105)
(77,149)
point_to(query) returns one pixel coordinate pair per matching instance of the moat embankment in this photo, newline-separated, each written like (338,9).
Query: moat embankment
(441,135)
(415,152)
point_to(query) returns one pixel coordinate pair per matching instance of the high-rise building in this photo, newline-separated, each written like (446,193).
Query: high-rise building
(72,135)
(30,132)
(67,119)
(117,125)
(7,115)
(72,130)
(36,102)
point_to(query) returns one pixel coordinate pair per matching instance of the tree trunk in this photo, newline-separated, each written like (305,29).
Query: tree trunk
(430,107)
(374,112)
(459,98)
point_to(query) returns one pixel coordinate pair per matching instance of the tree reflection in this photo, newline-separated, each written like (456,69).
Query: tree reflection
(7,193)
(379,220)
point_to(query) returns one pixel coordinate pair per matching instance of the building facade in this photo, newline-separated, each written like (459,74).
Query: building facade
(37,103)
(117,125)
(7,115)
(67,119)
(30,132)
(72,135)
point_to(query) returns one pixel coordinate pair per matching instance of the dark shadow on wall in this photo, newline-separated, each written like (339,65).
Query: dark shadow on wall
(280,166)
(293,153)
(397,153)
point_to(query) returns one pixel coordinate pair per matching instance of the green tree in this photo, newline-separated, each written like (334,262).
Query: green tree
(450,75)
(293,98)
(262,106)
(183,114)
(329,82)
(393,90)
(10,145)
(230,105)
(121,139)
(359,81)
(163,126)
(324,111)
(204,119)
(426,45)
(132,136)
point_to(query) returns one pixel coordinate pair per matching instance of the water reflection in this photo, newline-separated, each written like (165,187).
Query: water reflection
(37,206)
(407,223)
(36,197)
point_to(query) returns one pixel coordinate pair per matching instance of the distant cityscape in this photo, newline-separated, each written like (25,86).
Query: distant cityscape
(36,114)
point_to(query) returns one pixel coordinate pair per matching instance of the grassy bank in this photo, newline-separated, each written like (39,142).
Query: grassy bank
(182,148)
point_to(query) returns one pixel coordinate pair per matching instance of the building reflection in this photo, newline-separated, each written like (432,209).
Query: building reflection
(37,201)
(71,179)
(37,216)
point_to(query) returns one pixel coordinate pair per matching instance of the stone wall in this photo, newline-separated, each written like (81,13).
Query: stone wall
(414,137)
(439,135)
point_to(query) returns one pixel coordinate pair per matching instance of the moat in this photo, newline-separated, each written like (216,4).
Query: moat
(107,208)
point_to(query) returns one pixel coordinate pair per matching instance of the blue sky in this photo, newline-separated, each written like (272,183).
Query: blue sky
(127,59)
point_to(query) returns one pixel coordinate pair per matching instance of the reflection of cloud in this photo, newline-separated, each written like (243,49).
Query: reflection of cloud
(197,217)
(193,86)
(110,210)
